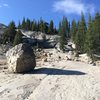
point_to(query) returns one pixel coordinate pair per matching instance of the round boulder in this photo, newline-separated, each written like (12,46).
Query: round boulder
(21,58)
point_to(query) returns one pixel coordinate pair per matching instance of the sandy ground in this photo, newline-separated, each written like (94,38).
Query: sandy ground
(63,80)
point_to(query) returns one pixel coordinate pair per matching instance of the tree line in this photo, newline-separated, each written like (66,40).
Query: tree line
(13,37)
(86,36)
(39,25)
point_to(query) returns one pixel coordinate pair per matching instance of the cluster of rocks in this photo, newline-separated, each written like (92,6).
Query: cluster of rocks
(21,58)
(52,55)
(4,48)
(85,58)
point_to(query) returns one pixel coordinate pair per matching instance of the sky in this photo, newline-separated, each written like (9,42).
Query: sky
(47,9)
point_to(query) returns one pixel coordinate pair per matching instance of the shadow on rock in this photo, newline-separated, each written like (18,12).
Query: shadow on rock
(53,71)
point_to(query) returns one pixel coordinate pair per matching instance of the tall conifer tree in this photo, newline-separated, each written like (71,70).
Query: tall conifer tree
(73,30)
(63,29)
(81,35)
(89,44)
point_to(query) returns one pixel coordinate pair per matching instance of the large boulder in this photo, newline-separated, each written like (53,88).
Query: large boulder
(21,58)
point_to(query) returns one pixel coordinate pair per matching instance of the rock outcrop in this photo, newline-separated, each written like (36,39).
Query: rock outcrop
(21,58)
(38,38)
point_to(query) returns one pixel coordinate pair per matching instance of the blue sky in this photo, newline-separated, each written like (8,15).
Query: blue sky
(47,9)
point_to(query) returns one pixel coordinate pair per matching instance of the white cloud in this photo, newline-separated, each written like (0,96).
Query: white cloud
(73,7)
(6,5)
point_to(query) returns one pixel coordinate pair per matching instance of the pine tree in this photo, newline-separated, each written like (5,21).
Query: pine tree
(81,35)
(10,33)
(59,30)
(28,24)
(33,26)
(41,25)
(73,30)
(90,39)
(66,27)
(36,26)
(62,31)
(55,31)
(69,35)
(51,27)
(18,38)
(46,27)
(96,30)
(19,25)
(23,26)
